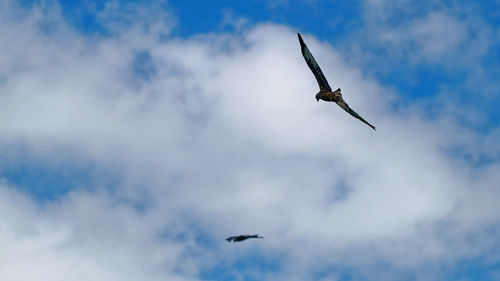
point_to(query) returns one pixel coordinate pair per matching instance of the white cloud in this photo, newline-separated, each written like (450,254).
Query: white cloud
(225,137)
(443,54)
(84,237)
(431,37)
(412,33)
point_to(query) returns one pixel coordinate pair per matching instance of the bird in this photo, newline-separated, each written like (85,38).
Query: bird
(325,92)
(240,238)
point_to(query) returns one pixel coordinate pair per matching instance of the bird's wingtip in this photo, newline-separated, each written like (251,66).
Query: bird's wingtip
(300,37)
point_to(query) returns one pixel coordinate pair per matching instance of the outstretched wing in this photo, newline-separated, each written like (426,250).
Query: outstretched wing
(313,65)
(346,107)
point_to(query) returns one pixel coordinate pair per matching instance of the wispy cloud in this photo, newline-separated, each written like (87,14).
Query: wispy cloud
(429,49)
(426,32)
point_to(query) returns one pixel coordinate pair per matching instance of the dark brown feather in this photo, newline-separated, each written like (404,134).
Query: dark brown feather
(313,65)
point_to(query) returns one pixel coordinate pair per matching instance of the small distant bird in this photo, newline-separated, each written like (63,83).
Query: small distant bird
(240,238)
(325,92)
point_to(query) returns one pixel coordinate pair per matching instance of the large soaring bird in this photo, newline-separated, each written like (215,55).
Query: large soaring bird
(240,238)
(325,92)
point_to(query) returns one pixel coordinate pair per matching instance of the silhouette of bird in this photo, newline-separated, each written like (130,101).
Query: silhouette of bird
(240,238)
(325,92)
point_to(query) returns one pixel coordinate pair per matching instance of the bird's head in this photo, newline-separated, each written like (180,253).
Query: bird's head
(317,97)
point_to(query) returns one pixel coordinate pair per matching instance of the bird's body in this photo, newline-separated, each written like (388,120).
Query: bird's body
(335,96)
(240,238)
(325,91)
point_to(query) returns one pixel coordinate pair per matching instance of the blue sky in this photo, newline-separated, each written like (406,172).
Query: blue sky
(342,24)
(137,135)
